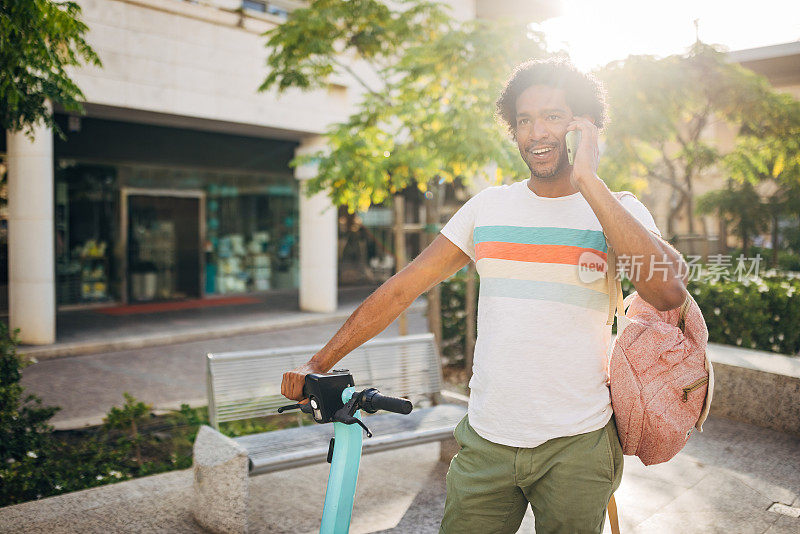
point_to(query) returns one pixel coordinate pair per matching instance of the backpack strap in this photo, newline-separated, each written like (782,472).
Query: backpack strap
(614,302)
(613,518)
(683,312)
(614,286)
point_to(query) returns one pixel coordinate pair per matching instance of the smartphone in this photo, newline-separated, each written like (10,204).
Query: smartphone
(572,140)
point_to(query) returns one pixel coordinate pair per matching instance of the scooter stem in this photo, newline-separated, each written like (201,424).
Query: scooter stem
(343,475)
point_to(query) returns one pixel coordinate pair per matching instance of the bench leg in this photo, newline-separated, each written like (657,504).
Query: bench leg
(447,449)
(220,483)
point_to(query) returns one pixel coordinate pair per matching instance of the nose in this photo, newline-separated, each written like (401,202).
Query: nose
(539,131)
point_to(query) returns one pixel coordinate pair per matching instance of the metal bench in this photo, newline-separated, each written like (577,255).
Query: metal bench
(246,384)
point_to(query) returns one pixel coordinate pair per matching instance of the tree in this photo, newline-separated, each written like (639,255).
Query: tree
(738,204)
(767,154)
(38,40)
(660,109)
(427,113)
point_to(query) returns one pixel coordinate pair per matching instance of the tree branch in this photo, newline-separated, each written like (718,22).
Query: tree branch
(361,81)
(658,176)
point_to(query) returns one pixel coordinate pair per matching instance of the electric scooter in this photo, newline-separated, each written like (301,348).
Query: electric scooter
(333,398)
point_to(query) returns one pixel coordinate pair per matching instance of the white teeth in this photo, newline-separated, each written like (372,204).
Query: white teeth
(541,150)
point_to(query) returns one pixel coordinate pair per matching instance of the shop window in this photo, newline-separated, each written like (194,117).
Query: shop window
(251,238)
(85,216)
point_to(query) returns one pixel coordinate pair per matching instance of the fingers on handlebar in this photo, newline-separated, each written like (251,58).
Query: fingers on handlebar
(292,386)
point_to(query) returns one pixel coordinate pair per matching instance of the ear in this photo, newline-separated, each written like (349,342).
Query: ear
(587,117)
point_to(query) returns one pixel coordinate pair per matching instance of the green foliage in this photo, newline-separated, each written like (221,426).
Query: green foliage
(129,418)
(660,108)
(760,313)
(306,48)
(740,204)
(38,40)
(63,461)
(453,298)
(37,462)
(427,110)
(25,435)
(767,157)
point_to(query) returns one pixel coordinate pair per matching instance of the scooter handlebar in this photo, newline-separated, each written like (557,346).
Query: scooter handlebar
(372,401)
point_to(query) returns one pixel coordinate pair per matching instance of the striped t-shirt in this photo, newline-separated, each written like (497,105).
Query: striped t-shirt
(539,364)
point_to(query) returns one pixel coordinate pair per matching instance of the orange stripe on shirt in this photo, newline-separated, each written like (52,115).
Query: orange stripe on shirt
(536,253)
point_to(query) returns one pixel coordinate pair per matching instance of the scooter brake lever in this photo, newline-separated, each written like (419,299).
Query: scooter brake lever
(345,415)
(349,420)
(304,407)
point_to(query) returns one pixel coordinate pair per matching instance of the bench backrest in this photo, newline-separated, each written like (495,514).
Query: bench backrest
(247,384)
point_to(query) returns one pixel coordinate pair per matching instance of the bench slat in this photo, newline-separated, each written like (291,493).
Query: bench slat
(273,451)
(246,384)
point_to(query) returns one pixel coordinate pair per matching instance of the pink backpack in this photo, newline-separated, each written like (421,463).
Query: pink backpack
(660,376)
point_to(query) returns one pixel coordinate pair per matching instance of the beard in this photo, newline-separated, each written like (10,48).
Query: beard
(546,171)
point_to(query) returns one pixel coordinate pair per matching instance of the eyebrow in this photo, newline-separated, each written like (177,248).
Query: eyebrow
(548,110)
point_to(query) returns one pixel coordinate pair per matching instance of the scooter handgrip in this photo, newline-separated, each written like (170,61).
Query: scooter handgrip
(391,404)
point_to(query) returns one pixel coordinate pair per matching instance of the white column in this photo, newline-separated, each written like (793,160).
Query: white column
(31,254)
(318,239)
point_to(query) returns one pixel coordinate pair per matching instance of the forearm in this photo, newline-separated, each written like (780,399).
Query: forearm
(368,320)
(439,260)
(657,271)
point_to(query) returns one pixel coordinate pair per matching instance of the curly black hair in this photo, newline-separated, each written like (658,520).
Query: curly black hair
(584,93)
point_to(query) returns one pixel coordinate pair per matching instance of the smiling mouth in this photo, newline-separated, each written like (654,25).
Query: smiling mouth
(540,153)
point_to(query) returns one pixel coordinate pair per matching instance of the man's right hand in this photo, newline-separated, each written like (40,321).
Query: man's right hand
(294,380)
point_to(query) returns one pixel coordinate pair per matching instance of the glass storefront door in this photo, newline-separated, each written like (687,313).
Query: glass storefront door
(163,249)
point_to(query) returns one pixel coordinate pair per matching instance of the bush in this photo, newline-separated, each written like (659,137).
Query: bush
(454,331)
(759,312)
(788,260)
(25,436)
(37,462)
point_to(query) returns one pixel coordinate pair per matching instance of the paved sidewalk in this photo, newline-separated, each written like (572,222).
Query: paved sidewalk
(80,332)
(723,482)
(86,387)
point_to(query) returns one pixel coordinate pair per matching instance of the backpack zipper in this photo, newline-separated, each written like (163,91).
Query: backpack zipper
(693,386)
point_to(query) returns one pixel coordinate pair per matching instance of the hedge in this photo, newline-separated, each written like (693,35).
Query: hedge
(761,312)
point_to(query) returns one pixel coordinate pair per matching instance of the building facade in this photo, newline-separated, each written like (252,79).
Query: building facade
(176,182)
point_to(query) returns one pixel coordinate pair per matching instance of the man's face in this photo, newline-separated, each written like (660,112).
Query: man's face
(542,119)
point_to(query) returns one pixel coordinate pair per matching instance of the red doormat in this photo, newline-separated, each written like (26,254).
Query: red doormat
(156,307)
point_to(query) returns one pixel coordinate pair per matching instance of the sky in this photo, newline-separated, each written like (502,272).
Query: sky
(599,31)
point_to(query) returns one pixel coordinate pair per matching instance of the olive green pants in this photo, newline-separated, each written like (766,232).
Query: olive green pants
(567,481)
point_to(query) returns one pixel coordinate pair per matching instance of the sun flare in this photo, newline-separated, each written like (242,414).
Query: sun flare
(597,32)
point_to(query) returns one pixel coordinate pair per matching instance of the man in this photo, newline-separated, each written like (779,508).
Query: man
(539,427)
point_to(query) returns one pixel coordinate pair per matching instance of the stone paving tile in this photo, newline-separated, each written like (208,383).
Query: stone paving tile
(719,502)
(424,513)
(640,495)
(738,448)
(291,502)
(785,525)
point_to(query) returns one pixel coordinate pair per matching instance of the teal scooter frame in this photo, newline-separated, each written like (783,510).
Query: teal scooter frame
(332,398)
(343,475)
